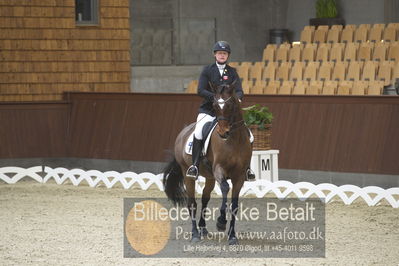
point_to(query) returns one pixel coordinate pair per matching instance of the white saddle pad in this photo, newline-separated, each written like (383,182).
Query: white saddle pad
(188,148)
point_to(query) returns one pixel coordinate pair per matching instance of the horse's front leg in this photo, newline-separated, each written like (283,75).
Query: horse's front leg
(218,173)
(206,196)
(237,185)
(222,221)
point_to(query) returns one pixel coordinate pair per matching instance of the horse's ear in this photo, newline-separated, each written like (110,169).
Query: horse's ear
(213,88)
(233,84)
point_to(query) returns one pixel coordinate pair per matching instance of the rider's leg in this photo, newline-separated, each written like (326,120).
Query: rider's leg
(193,170)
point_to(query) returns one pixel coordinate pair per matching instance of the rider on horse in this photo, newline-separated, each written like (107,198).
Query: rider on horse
(217,73)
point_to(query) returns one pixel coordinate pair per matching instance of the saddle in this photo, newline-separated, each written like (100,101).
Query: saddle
(206,133)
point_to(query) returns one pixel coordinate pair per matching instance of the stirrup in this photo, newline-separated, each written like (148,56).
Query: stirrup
(250,175)
(192,172)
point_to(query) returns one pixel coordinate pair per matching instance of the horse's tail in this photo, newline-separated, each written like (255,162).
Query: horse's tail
(173,181)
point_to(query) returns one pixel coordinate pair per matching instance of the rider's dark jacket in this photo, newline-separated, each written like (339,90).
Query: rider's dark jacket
(211,73)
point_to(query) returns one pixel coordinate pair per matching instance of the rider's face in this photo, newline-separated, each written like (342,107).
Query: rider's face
(221,56)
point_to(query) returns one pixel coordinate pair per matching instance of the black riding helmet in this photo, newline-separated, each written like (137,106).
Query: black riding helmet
(221,46)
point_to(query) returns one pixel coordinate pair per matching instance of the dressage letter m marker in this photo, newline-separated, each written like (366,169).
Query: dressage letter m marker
(265,165)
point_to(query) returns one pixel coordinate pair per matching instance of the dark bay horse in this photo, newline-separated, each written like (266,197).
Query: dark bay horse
(228,157)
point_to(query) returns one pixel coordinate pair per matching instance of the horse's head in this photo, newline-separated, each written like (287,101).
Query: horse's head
(226,106)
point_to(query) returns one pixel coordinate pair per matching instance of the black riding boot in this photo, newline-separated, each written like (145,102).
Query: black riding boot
(193,170)
(250,176)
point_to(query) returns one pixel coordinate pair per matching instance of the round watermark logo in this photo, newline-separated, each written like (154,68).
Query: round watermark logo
(147,227)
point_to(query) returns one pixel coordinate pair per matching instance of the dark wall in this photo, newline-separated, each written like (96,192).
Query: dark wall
(33,129)
(128,126)
(340,134)
(245,24)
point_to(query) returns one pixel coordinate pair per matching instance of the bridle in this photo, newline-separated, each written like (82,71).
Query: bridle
(221,102)
(232,125)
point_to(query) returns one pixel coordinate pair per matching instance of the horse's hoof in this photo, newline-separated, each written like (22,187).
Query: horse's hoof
(203,231)
(220,226)
(233,241)
(195,239)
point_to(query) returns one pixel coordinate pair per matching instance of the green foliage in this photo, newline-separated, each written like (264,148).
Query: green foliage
(257,115)
(326,9)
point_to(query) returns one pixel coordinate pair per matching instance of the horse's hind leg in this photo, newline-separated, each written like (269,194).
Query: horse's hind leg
(192,207)
(206,196)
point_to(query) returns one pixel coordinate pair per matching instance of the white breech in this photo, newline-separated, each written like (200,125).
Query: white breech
(202,119)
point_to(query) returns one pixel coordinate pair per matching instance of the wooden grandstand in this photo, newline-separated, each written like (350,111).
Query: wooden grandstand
(351,60)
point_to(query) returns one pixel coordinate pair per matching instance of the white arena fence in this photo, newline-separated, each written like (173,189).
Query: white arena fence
(372,195)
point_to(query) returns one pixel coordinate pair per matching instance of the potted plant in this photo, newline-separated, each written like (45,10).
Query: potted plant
(326,14)
(259,119)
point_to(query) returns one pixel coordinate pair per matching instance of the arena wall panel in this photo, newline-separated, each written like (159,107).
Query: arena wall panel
(356,134)
(328,133)
(30,130)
